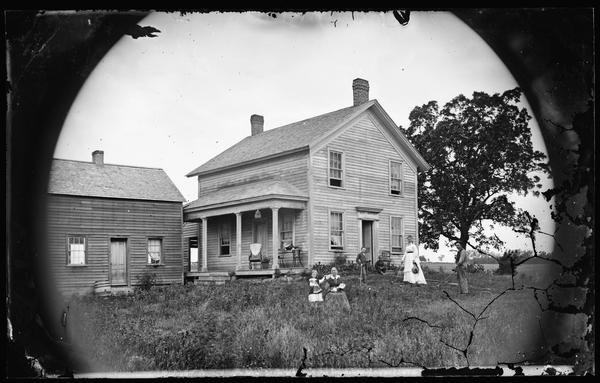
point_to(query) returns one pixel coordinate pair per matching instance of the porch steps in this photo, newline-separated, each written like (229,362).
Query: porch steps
(213,277)
(221,277)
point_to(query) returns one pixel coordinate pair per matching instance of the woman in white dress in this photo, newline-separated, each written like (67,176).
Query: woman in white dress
(412,263)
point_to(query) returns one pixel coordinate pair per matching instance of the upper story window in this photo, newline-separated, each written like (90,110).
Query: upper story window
(76,250)
(396,234)
(336,171)
(154,251)
(225,238)
(336,230)
(395,178)
(286,232)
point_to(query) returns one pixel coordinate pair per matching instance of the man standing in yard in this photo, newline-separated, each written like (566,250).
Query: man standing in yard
(461,269)
(361,260)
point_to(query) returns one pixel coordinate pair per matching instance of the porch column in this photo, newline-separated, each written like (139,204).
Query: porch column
(204,244)
(275,211)
(238,239)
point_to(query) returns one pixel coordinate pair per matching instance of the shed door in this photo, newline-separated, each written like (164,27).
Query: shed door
(118,261)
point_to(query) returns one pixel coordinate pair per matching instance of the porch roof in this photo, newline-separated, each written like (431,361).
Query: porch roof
(247,194)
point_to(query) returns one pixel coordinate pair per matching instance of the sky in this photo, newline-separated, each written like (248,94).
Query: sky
(176,100)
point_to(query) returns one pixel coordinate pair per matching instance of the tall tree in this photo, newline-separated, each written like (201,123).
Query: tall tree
(480,151)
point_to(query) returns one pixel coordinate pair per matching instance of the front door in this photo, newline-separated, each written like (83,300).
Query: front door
(260,236)
(367,239)
(118,261)
(193,245)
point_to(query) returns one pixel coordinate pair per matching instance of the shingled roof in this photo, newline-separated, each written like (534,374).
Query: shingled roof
(294,136)
(111,181)
(262,189)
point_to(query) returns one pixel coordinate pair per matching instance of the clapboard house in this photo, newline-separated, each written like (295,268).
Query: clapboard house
(329,185)
(111,224)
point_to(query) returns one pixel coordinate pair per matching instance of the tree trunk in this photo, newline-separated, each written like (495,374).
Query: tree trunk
(464,238)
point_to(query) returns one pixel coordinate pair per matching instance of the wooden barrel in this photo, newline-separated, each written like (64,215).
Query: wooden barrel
(102,288)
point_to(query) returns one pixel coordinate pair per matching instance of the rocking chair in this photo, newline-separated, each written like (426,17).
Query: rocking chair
(255,257)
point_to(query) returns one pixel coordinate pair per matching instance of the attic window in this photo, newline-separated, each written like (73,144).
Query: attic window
(336,172)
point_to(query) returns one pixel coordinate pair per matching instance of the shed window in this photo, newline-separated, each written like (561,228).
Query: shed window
(397,239)
(336,171)
(395,178)
(154,251)
(224,238)
(76,250)
(336,230)
(286,233)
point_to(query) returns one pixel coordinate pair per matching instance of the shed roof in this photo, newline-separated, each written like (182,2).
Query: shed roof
(275,141)
(111,181)
(263,189)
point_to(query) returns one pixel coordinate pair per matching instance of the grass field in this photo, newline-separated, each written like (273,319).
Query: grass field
(252,324)
(530,269)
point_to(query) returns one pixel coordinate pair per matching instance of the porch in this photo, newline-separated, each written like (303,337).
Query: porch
(270,213)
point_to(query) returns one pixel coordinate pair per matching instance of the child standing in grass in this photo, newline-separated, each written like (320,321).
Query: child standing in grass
(316,293)
(361,260)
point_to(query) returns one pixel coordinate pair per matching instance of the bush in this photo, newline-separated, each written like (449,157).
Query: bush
(322,269)
(343,269)
(146,281)
(475,268)
(339,260)
(506,262)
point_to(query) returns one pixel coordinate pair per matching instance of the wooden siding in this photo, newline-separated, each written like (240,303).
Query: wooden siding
(291,168)
(99,220)
(229,263)
(367,152)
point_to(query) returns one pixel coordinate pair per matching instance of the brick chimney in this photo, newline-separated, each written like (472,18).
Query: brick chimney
(98,157)
(360,91)
(257,122)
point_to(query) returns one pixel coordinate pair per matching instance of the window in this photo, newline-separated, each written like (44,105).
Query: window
(335,169)
(336,230)
(397,239)
(154,251)
(76,250)
(395,178)
(286,232)
(224,238)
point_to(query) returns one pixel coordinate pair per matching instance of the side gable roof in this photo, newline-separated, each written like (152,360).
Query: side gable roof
(111,181)
(299,136)
(285,139)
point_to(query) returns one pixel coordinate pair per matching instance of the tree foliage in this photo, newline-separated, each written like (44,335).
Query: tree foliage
(480,151)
